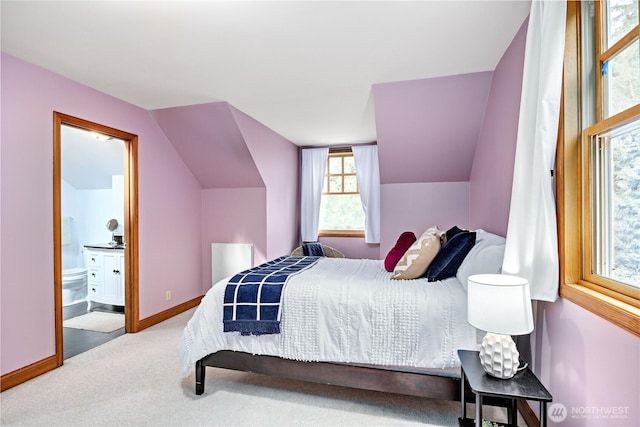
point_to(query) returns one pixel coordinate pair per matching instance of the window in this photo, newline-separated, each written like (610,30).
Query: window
(618,48)
(598,179)
(341,211)
(612,208)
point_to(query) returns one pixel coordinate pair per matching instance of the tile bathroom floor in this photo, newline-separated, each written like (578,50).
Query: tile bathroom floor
(76,341)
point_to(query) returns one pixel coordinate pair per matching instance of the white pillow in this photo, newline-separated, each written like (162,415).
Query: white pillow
(484,258)
(485,235)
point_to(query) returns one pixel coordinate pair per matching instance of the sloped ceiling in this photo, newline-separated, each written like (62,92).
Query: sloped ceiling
(207,138)
(304,69)
(428,129)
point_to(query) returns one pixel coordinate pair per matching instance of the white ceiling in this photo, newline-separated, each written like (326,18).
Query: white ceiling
(88,163)
(304,69)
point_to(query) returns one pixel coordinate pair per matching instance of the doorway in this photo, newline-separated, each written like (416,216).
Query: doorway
(104,259)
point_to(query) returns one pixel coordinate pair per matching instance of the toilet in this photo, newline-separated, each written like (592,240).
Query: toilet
(74,286)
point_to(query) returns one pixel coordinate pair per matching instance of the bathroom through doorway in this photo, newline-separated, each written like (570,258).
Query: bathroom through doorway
(95,234)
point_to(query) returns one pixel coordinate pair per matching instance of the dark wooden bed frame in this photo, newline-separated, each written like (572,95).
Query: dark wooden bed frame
(432,383)
(441,384)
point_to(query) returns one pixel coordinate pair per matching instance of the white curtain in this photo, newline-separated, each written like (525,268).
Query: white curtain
(531,249)
(368,173)
(314,164)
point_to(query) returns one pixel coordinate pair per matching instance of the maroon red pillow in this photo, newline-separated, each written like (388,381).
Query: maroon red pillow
(404,242)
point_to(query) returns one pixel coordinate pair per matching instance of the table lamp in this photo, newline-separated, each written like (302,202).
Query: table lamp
(499,304)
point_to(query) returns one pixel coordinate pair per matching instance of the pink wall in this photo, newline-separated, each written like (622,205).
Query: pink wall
(233,215)
(277,161)
(169,207)
(410,207)
(352,247)
(588,364)
(416,207)
(492,171)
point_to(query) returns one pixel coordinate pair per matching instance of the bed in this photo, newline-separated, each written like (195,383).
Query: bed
(345,322)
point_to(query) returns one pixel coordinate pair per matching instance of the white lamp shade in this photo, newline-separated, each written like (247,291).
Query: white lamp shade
(500,304)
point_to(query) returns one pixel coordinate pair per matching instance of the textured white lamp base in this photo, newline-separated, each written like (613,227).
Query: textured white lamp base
(499,356)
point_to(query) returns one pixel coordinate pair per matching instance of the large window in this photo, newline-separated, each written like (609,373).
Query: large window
(341,211)
(612,212)
(618,52)
(599,161)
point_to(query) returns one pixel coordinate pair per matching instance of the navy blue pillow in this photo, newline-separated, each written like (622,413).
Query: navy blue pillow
(453,231)
(446,263)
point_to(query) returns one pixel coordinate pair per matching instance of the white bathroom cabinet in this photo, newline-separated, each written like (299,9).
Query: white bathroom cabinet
(105,276)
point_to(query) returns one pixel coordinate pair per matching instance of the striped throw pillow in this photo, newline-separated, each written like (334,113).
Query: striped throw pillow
(416,259)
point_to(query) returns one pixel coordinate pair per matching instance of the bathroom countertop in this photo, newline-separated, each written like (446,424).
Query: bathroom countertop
(104,246)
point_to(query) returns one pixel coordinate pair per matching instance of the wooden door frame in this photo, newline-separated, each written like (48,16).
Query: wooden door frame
(131,297)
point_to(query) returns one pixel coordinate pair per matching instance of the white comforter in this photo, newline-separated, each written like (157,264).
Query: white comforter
(347,310)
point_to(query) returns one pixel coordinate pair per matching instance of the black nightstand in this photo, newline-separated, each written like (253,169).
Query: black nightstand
(524,385)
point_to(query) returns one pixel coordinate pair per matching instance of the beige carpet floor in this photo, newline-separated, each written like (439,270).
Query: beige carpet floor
(134,380)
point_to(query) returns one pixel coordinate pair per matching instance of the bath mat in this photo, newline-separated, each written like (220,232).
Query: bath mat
(96,321)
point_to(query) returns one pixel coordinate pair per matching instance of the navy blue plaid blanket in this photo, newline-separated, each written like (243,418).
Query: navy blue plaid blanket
(252,298)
